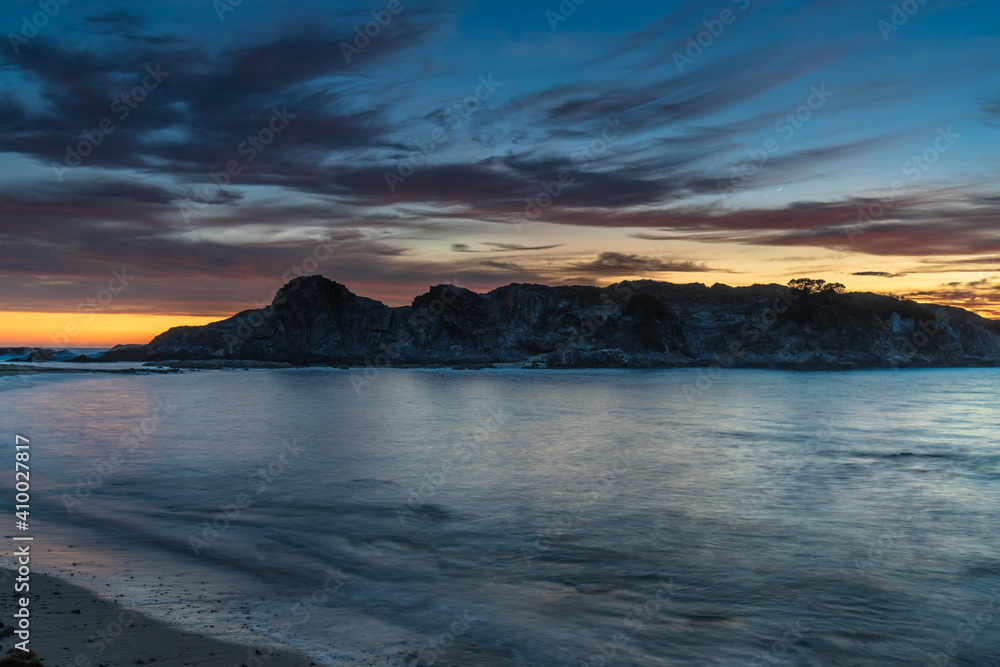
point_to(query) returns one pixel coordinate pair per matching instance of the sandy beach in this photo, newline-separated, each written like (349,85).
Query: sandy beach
(71,627)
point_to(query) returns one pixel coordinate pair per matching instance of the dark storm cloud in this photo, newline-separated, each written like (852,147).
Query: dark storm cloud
(117,22)
(203,106)
(209,103)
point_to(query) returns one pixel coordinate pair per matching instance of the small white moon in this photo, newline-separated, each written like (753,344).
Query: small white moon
(779,189)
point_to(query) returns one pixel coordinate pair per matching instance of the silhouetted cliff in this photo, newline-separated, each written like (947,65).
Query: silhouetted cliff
(629,324)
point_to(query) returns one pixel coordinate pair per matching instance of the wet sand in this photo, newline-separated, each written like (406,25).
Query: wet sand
(72,627)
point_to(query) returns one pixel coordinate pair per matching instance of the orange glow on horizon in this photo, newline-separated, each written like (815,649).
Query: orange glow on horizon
(990,311)
(72,329)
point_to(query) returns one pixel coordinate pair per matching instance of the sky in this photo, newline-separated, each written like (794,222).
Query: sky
(176,162)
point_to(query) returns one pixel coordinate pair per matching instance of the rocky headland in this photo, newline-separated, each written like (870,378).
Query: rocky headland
(633,324)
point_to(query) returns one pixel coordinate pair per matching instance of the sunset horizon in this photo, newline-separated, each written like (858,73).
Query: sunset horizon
(90,326)
(292,146)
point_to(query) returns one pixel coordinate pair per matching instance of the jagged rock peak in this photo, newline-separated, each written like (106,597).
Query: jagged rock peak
(306,291)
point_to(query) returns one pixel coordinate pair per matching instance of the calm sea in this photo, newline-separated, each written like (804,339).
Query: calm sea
(515,517)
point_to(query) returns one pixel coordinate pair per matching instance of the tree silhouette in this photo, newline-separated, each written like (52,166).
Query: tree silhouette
(814,286)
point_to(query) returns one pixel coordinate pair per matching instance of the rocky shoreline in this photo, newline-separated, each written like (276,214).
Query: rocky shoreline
(17,369)
(633,324)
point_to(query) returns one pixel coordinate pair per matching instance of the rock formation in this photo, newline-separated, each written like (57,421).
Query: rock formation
(629,324)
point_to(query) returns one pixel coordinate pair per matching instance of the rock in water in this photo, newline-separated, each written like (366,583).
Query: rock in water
(635,324)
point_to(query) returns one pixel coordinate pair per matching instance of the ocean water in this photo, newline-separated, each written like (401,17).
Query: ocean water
(515,517)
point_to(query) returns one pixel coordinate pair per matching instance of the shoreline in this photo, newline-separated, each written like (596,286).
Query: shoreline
(168,367)
(64,616)
(7,369)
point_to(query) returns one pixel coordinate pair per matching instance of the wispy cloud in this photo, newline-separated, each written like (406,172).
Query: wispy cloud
(616,264)
(878,274)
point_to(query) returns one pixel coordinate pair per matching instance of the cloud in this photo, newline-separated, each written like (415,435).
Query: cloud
(502,247)
(978,295)
(208,102)
(504,266)
(324,175)
(616,263)
(880,274)
(965,265)
(918,225)
(783,168)
(990,108)
(511,247)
